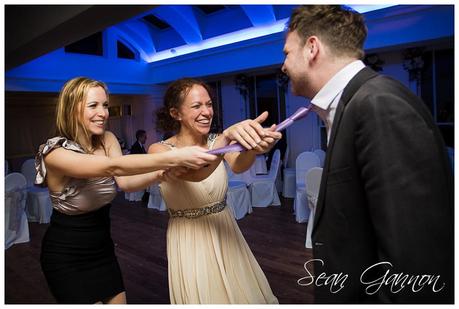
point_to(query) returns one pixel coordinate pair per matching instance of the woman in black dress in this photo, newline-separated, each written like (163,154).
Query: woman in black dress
(80,167)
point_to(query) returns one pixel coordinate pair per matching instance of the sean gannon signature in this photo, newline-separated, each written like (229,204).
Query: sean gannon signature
(396,281)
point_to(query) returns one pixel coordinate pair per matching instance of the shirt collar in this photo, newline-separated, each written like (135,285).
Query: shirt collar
(336,84)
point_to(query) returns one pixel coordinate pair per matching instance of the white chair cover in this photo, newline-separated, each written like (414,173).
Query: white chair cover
(238,196)
(238,199)
(38,207)
(286,157)
(289,180)
(263,188)
(134,196)
(16,226)
(313,177)
(247,177)
(289,185)
(304,162)
(155,200)
(321,154)
(260,165)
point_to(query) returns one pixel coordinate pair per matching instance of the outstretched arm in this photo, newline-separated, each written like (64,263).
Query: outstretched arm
(248,133)
(63,163)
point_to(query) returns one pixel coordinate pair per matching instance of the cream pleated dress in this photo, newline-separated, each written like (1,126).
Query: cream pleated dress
(209,261)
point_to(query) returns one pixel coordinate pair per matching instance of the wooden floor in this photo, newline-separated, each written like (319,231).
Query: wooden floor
(139,233)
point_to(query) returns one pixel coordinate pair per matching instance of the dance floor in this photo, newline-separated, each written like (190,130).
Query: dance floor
(139,233)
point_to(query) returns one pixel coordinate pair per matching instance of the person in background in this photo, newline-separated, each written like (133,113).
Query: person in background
(139,146)
(80,166)
(385,211)
(209,261)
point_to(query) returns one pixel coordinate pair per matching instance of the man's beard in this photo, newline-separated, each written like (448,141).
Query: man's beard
(300,85)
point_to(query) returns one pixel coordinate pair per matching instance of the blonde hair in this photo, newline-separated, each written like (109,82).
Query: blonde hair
(70,111)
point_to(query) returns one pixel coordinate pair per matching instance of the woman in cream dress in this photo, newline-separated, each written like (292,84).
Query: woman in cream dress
(209,261)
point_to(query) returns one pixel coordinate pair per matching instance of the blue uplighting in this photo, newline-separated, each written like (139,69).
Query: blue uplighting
(238,36)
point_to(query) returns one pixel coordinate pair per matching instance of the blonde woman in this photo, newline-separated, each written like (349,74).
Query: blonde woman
(80,166)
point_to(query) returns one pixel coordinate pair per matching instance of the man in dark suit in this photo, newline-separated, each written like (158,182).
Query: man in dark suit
(139,148)
(383,227)
(139,145)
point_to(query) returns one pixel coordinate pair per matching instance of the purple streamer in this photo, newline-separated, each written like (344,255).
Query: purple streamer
(300,113)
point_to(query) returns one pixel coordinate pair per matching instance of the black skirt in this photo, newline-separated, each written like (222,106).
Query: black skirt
(78,258)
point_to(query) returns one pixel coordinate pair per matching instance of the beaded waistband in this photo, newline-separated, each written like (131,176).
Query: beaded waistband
(198,212)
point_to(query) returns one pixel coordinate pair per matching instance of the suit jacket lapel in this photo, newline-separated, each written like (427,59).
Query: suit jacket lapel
(354,84)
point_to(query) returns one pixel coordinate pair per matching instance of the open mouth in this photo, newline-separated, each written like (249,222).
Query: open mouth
(99,123)
(204,121)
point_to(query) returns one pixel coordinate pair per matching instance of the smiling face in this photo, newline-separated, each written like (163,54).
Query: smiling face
(196,112)
(95,111)
(295,64)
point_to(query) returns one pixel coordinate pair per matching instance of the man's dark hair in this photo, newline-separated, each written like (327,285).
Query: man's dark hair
(340,28)
(140,133)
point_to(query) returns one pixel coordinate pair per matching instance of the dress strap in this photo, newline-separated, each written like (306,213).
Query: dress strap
(211,140)
(167,144)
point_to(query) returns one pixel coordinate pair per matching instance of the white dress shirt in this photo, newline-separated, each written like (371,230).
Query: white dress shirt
(327,99)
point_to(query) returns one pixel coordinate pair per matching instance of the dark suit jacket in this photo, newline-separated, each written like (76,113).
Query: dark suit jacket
(386,195)
(136,149)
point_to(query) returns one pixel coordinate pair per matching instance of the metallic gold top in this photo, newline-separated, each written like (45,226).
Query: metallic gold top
(79,195)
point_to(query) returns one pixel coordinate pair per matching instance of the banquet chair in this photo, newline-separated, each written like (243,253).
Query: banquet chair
(237,196)
(155,200)
(259,166)
(263,188)
(7,168)
(134,196)
(16,226)
(304,162)
(289,179)
(279,183)
(313,177)
(38,207)
(321,154)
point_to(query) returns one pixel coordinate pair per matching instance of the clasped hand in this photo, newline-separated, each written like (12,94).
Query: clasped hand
(250,134)
(191,157)
(194,157)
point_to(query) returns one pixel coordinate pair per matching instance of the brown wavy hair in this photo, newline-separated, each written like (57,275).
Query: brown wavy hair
(70,111)
(341,28)
(173,98)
